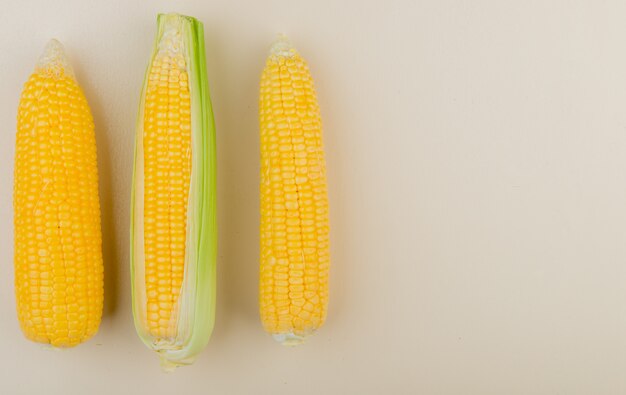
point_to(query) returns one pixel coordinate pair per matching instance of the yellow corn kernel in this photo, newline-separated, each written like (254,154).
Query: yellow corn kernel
(58,257)
(294,203)
(167,171)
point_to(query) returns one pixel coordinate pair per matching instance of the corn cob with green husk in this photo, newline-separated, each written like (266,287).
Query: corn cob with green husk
(173,229)
(294,202)
(58,256)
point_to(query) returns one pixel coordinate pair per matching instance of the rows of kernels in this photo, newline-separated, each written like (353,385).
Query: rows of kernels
(167,171)
(58,257)
(294,203)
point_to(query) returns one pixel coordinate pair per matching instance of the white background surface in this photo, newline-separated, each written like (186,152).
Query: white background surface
(477,168)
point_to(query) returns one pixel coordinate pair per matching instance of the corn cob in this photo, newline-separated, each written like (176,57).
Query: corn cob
(294,204)
(173,226)
(58,257)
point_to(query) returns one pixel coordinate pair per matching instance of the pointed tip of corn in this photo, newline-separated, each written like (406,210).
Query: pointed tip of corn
(171,39)
(169,17)
(171,21)
(282,47)
(53,60)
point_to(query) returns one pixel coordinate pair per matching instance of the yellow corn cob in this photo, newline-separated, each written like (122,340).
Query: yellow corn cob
(173,224)
(294,203)
(167,161)
(58,257)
